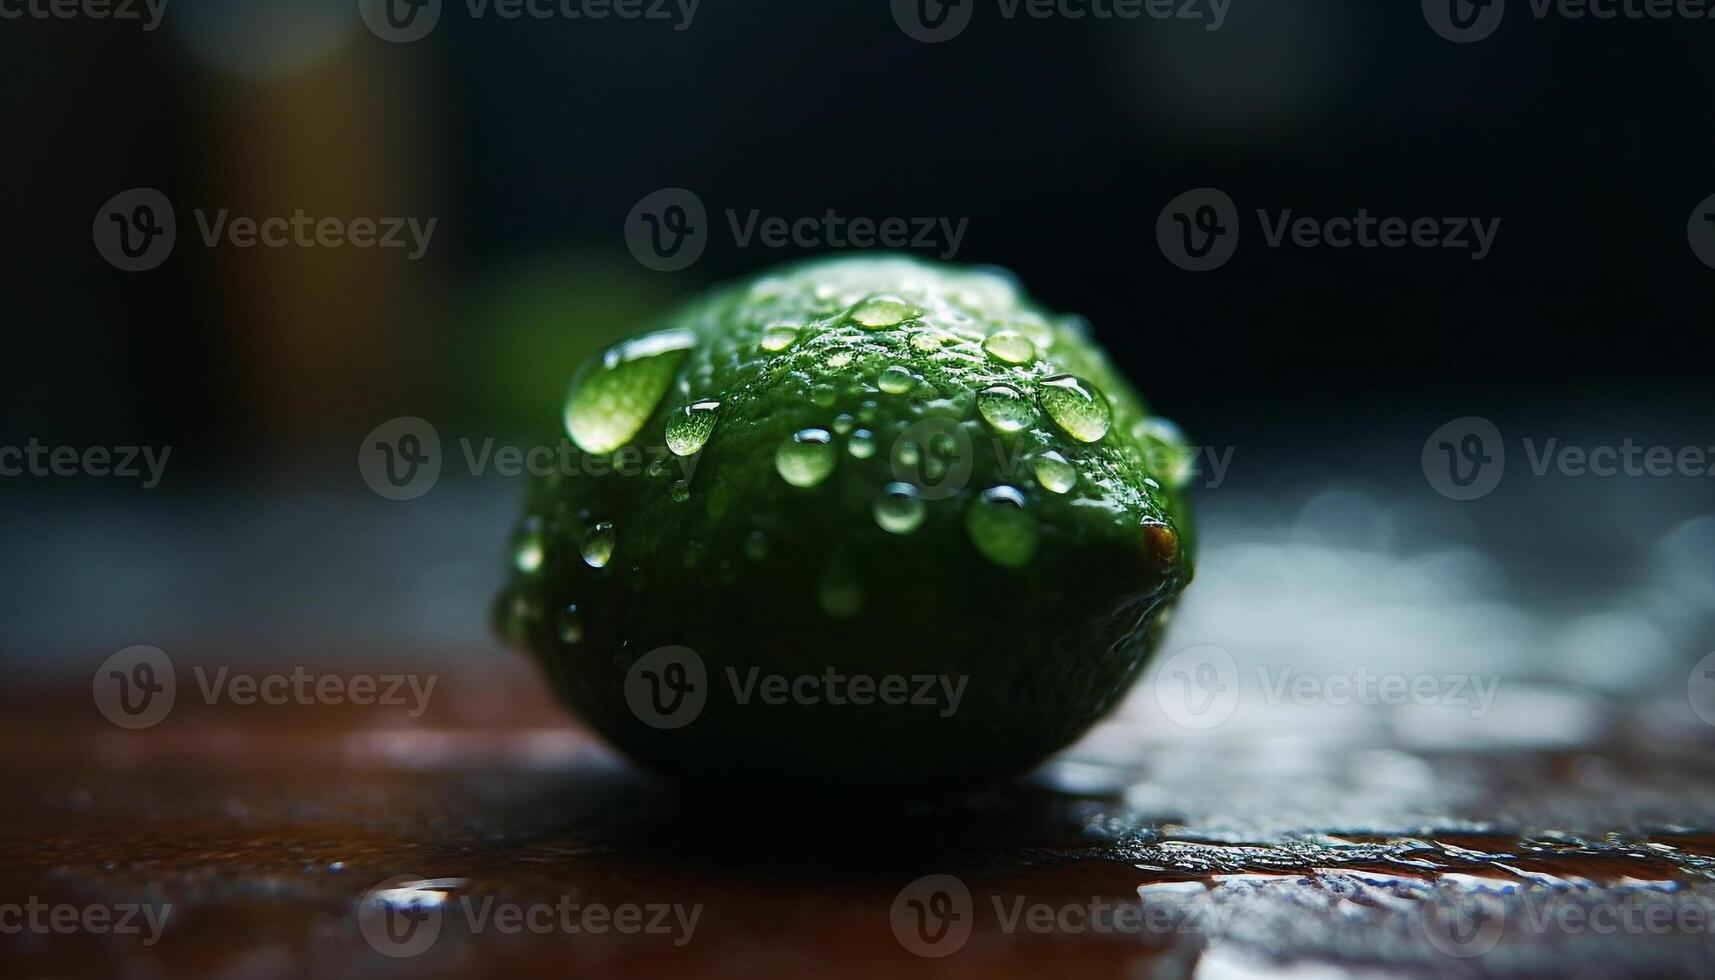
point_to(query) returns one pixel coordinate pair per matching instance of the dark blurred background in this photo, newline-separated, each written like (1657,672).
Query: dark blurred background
(1059,140)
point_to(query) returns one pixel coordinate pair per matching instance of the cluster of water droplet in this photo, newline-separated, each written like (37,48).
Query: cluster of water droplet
(954,346)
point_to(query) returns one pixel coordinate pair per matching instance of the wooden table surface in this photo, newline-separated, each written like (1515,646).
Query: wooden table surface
(1327,851)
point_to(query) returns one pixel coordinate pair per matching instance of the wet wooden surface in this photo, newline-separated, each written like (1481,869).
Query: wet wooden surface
(1144,853)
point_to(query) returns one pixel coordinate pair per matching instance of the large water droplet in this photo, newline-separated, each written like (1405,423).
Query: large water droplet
(1006,408)
(1054,472)
(805,458)
(824,396)
(896,380)
(879,312)
(1077,407)
(843,423)
(571,625)
(610,400)
(688,429)
(779,337)
(1001,527)
(1011,347)
(597,545)
(900,509)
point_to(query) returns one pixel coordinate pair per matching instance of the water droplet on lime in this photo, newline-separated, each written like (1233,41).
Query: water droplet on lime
(880,312)
(1006,408)
(1054,472)
(779,337)
(899,509)
(597,545)
(1001,528)
(1011,347)
(805,458)
(611,399)
(896,380)
(689,428)
(862,444)
(1077,407)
